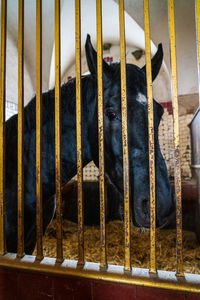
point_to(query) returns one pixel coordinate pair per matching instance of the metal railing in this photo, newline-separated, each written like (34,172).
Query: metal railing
(101,271)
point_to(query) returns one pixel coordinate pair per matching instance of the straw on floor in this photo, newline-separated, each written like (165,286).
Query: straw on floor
(166,246)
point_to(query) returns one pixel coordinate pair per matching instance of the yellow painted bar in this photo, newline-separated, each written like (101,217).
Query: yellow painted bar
(39,225)
(58,135)
(198,39)
(151,140)
(20,243)
(177,166)
(103,260)
(127,263)
(79,133)
(2,125)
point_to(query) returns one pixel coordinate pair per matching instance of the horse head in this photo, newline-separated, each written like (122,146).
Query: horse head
(137,116)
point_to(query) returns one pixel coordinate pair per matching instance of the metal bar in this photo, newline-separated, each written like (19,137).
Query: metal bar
(103,260)
(2,125)
(127,263)
(197,11)
(58,135)
(177,166)
(195,166)
(20,243)
(79,133)
(151,140)
(39,225)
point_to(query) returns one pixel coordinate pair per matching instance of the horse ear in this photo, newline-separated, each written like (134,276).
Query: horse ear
(156,62)
(91,57)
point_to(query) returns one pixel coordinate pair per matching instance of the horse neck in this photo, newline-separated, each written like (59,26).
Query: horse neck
(68,110)
(68,132)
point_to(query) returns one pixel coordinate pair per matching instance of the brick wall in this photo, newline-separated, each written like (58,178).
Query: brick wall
(167,146)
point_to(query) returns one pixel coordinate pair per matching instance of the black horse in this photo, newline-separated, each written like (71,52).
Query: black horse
(138,147)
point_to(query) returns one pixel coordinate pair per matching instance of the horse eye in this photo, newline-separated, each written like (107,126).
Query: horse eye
(111,115)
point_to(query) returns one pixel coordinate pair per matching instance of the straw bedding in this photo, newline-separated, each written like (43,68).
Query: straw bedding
(166,246)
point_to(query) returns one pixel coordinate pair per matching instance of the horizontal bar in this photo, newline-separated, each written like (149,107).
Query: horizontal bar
(103,260)
(127,227)
(151,140)
(116,274)
(79,133)
(58,135)
(177,162)
(2,125)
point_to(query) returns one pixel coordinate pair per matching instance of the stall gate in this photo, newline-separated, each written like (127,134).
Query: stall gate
(176,281)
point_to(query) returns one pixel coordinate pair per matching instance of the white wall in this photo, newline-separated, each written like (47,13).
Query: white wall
(185,36)
(134,34)
(12,73)
(185,30)
(29,45)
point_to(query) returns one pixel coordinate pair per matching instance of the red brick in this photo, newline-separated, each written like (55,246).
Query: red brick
(192,297)
(72,289)
(154,293)
(35,286)
(8,284)
(107,291)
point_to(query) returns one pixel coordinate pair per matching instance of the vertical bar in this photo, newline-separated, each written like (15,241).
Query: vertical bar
(2,125)
(20,244)
(39,225)
(127,264)
(79,133)
(103,260)
(151,140)
(58,134)
(197,11)
(177,167)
